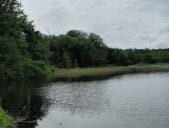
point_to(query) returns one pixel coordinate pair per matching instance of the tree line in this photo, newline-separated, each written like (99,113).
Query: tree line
(27,53)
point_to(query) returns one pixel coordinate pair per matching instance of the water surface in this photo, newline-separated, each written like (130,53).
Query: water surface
(129,101)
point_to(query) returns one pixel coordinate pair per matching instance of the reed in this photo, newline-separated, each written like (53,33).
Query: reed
(106,71)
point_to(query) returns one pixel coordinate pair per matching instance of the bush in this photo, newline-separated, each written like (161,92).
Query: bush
(50,69)
(5,120)
(40,64)
(32,71)
(10,59)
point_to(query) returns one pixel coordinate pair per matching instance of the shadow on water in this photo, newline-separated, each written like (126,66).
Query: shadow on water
(21,101)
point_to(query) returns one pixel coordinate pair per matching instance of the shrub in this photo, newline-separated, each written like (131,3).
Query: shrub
(5,120)
(32,71)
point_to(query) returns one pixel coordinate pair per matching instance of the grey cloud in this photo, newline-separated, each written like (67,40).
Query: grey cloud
(147,38)
(165,30)
(162,45)
(121,23)
(120,28)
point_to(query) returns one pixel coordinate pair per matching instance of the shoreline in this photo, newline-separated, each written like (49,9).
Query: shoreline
(103,72)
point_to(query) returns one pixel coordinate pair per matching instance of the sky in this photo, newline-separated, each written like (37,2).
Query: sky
(121,23)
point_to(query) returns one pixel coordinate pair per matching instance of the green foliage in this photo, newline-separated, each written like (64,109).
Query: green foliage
(27,53)
(5,120)
(135,56)
(77,33)
(77,49)
(96,40)
(10,58)
(20,43)
(34,70)
(65,60)
(50,69)
(75,64)
(117,56)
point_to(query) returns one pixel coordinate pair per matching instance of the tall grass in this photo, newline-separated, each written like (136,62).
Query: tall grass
(5,120)
(106,71)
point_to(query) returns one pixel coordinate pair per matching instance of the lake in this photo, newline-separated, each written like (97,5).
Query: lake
(128,101)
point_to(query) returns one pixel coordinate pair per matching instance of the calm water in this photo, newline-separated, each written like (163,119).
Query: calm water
(129,101)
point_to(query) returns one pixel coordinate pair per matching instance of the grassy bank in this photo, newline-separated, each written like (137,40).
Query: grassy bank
(107,71)
(5,120)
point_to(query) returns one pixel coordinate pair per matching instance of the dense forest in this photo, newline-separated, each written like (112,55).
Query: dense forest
(27,53)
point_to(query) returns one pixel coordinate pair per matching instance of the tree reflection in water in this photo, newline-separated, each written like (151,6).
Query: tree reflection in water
(20,100)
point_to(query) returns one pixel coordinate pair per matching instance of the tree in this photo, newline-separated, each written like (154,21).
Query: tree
(131,58)
(11,65)
(147,58)
(11,18)
(96,40)
(65,60)
(117,56)
(77,33)
(23,44)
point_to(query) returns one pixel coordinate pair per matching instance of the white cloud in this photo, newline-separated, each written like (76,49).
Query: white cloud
(121,23)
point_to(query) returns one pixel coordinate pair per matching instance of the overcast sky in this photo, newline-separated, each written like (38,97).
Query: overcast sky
(121,23)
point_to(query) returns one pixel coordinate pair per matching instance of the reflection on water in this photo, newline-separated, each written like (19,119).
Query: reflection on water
(77,98)
(130,101)
(20,99)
